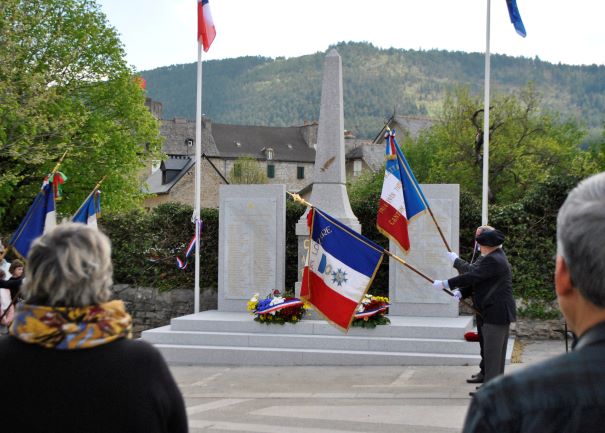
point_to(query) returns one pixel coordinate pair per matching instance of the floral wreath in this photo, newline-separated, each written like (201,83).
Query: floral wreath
(371,312)
(276,308)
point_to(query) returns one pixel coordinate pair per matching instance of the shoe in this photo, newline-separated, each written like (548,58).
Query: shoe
(475,379)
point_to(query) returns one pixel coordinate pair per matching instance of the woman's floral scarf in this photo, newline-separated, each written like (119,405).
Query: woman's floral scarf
(70,328)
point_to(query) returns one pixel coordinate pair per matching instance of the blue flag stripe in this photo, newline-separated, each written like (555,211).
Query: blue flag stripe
(32,225)
(350,247)
(415,202)
(515,17)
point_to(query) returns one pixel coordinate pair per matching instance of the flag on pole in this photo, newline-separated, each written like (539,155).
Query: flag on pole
(401,198)
(182,263)
(205,26)
(90,210)
(515,17)
(340,268)
(40,218)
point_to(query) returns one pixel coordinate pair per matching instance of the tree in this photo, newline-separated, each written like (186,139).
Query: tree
(526,143)
(247,170)
(65,86)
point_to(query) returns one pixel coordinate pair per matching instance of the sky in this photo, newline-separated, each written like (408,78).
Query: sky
(163,32)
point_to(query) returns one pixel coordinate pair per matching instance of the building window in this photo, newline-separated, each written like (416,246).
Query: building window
(270,171)
(356,167)
(300,172)
(269,153)
(237,169)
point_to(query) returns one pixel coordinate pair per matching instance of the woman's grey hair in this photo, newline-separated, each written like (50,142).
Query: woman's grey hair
(581,237)
(69,266)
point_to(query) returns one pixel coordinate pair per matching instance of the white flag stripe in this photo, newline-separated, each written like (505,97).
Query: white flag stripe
(392,193)
(50,221)
(354,286)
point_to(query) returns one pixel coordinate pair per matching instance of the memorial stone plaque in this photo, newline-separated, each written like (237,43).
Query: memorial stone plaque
(410,294)
(252,221)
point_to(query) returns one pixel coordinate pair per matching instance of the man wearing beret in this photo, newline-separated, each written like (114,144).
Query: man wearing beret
(566,393)
(489,281)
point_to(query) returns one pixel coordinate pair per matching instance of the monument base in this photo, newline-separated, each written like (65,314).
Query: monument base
(229,338)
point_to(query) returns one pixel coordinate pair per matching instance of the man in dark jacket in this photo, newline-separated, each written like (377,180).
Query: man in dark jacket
(566,393)
(489,281)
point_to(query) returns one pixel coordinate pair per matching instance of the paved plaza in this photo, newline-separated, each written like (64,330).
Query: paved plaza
(418,399)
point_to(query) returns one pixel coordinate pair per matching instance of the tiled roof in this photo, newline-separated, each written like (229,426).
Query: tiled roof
(288,143)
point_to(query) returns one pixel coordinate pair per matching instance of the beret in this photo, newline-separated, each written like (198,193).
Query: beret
(490,238)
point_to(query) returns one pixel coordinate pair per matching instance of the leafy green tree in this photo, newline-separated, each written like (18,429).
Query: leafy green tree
(526,144)
(247,170)
(65,86)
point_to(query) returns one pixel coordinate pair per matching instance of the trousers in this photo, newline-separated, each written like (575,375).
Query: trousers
(495,340)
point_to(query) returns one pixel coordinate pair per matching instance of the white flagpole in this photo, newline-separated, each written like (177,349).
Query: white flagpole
(198,174)
(485,197)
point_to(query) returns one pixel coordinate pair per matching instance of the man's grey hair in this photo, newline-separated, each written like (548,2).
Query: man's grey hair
(69,266)
(581,237)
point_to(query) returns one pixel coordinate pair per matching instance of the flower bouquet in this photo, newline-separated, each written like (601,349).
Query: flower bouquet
(276,308)
(372,311)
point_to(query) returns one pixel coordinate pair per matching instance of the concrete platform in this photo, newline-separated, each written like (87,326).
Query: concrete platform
(234,338)
(338,399)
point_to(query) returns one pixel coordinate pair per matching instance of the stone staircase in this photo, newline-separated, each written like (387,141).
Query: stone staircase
(234,338)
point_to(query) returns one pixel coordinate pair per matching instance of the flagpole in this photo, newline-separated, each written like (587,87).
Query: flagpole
(198,174)
(485,197)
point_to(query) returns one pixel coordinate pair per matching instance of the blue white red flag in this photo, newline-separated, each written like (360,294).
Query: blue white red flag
(90,210)
(182,263)
(40,218)
(515,17)
(341,265)
(205,25)
(401,198)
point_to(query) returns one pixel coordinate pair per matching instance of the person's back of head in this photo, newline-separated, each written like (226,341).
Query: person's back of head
(69,266)
(581,238)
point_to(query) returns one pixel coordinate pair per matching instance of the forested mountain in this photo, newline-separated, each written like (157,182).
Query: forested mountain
(284,92)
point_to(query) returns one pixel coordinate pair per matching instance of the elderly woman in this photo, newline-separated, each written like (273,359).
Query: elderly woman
(70,364)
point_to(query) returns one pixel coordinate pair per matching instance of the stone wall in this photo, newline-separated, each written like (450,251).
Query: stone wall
(151,308)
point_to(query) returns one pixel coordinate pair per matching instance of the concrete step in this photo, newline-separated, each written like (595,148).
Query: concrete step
(230,355)
(400,327)
(234,338)
(368,342)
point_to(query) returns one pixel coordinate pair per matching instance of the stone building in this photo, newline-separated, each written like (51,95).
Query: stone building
(285,154)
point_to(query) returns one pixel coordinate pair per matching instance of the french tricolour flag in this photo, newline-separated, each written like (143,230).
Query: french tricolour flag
(401,198)
(89,211)
(40,218)
(341,265)
(205,26)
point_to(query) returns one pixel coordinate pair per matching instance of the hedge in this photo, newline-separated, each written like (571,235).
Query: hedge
(145,244)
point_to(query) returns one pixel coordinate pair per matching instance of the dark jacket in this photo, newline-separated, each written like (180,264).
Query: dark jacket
(13,284)
(490,282)
(564,394)
(121,387)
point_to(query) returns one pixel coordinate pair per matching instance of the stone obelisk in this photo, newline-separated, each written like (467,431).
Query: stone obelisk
(329,191)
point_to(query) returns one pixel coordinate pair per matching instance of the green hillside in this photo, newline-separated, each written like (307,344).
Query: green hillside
(283,92)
